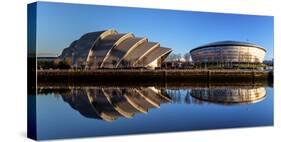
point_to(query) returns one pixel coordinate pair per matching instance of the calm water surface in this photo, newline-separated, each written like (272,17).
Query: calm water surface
(67,112)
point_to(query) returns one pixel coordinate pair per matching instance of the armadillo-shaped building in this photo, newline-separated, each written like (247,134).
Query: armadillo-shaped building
(110,49)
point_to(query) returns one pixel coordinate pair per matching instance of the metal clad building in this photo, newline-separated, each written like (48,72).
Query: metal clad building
(110,49)
(228,51)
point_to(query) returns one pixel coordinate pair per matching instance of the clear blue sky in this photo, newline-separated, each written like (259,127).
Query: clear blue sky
(59,24)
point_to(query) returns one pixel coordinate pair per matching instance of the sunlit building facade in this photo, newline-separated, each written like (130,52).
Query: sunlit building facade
(228,52)
(110,49)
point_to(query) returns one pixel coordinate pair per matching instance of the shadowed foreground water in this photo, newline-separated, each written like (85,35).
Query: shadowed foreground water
(84,111)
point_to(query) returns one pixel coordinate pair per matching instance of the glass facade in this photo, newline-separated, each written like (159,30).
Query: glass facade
(228,53)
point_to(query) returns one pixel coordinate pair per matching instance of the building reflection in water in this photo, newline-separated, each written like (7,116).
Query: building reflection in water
(224,95)
(111,103)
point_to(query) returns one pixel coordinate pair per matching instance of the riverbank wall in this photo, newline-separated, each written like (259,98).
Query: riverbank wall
(154,76)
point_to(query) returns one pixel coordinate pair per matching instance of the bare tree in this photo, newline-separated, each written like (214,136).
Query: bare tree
(187,57)
(178,57)
(173,57)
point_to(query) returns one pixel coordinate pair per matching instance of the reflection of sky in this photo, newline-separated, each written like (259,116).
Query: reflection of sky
(60,24)
(56,118)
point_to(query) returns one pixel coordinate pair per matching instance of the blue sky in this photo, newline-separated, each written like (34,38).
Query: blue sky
(59,24)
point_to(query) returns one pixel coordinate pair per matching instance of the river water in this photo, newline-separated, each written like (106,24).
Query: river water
(86,111)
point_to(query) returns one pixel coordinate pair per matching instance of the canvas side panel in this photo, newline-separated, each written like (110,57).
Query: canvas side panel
(31,71)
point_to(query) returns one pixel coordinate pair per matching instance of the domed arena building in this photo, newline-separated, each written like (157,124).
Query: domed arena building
(110,49)
(228,51)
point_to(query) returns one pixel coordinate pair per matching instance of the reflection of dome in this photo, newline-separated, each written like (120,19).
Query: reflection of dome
(111,103)
(229,95)
(109,49)
(228,51)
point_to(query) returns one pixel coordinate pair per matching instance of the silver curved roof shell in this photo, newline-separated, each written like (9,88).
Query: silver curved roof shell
(156,54)
(110,49)
(119,52)
(134,56)
(101,52)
